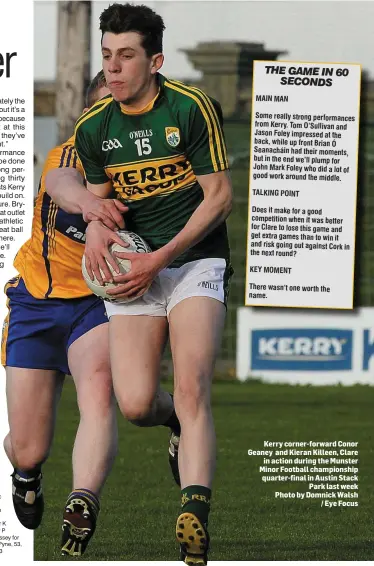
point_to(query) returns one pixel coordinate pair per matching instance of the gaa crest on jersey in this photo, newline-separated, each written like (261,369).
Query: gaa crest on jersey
(172,136)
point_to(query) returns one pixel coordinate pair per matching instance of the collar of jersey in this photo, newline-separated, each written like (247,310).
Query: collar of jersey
(146,108)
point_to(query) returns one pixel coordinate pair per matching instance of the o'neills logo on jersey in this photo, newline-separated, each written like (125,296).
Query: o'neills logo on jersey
(172,136)
(110,144)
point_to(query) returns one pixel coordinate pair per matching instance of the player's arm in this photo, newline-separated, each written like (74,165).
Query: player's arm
(212,211)
(63,177)
(98,236)
(98,239)
(103,190)
(206,150)
(66,188)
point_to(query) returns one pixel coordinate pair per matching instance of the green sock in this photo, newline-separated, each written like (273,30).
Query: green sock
(196,500)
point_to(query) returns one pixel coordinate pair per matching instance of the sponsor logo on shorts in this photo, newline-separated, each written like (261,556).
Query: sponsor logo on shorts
(111,144)
(172,136)
(208,285)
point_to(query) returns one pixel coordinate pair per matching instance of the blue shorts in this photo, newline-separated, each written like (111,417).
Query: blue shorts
(37,333)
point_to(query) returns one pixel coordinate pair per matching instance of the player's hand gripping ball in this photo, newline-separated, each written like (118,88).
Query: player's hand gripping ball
(136,245)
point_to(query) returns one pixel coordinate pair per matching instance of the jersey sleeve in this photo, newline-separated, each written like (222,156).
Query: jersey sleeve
(63,156)
(89,154)
(205,147)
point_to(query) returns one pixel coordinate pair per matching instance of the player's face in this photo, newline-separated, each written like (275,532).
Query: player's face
(101,92)
(129,72)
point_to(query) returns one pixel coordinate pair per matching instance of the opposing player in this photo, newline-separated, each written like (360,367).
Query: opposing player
(55,326)
(160,145)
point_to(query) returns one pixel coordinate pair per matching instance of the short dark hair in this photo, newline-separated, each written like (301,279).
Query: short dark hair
(121,18)
(91,93)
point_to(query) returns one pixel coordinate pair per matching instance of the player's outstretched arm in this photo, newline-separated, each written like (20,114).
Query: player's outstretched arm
(66,188)
(102,190)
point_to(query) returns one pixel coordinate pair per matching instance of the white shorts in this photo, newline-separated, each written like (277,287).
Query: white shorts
(202,278)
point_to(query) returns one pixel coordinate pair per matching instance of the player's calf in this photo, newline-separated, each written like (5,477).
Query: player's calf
(79,522)
(163,413)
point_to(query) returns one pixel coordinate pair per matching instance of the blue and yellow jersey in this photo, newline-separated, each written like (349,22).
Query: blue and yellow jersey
(50,261)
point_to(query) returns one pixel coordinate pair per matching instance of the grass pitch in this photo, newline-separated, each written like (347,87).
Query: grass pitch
(140,501)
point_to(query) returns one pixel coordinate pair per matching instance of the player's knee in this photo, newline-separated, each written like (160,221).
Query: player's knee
(29,456)
(190,397)
(135,408)
(7,444)
(137,414)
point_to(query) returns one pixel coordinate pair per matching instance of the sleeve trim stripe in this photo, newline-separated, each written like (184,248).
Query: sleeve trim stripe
(222,158)
(92,112)
(63,157)
(66,156)
(205,100)
(68,159)
(204,113)
(221,146)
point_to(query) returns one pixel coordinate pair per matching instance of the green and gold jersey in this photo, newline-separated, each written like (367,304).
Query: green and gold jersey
(152,158)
